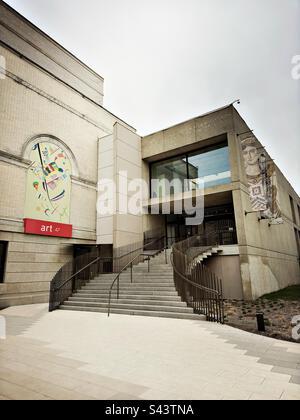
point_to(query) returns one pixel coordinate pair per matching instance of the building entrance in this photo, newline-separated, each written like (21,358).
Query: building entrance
(218,222)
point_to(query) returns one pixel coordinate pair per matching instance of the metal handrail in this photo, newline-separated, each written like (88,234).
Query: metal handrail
(65,282)
(94,262)
(80,271)
(199,286)
(205,236)
(130,264)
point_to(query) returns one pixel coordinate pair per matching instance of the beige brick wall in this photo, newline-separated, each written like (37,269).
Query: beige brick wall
(31,264)
(25,38)
(47,107)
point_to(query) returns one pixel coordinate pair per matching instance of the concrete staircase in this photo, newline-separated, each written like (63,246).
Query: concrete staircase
(202,256)
(151,294)
(205,255)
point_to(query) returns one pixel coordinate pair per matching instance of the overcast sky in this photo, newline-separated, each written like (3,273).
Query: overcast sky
(166,61)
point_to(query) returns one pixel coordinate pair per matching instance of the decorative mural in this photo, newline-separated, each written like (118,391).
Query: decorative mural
(48,190)
(262,180)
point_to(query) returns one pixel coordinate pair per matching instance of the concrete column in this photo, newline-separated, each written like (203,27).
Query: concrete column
(127,226)
(238,173)
(239,202)
(105,222)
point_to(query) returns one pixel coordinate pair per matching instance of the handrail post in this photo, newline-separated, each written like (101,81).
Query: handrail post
(166,255)
(129,264)
(109,300)
(118,288)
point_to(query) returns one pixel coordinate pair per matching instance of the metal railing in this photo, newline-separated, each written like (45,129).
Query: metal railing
(154,247)
(196,284)
(79,271)
(74,275)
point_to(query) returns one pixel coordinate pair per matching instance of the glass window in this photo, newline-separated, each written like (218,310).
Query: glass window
(186,172)
(212,166)
(168,177)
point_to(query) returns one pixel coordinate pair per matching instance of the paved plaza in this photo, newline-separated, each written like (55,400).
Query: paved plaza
(79,355)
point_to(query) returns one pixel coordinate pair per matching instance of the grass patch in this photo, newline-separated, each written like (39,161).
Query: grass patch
(290,293)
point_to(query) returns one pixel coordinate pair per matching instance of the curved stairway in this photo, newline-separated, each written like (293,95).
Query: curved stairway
(209,253)
(151,294)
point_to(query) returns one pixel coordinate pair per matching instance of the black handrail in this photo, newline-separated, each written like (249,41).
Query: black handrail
(66,281)
(130,264)
(199,287)
(208,239)
(80,271)
(61,289)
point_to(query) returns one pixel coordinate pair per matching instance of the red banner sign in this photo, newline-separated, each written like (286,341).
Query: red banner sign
(40,227)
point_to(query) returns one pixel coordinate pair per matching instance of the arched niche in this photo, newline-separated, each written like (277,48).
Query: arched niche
(28,145)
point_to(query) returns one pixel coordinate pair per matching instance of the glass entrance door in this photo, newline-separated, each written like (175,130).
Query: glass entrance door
(177,230)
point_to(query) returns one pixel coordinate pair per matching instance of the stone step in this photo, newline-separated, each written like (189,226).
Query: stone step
(131,287)
(144,271)
(152,308)
(126,301)
(138,313)
(129,297)
(154,265)
(137,276)
(136,281)
(128,284)
(152,270)
(152,273)
(207,254)
(132,292)
(152,293)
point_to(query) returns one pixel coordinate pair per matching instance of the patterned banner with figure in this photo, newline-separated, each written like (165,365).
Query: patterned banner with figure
(262,180)
(48,184)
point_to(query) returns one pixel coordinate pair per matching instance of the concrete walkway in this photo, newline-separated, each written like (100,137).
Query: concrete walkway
(78,355)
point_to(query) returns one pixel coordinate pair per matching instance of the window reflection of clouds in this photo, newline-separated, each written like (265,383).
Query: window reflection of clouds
(212,165)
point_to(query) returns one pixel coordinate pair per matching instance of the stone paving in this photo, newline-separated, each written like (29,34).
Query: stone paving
(79,355)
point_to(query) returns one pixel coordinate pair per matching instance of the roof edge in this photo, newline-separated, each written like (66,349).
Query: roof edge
(191,119)
(35,27)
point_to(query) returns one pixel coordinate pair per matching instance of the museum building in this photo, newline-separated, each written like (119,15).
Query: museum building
(58,144)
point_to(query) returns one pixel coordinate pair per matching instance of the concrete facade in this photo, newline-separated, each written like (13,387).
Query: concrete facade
(49,93)
(268,254)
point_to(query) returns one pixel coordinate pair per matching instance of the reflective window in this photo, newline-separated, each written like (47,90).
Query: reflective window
(212,166)
(170,176)
(187,172)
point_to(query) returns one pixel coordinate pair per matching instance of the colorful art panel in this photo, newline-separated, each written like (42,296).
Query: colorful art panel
(48,191)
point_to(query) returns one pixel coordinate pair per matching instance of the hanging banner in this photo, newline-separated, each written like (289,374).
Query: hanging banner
(262,181)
